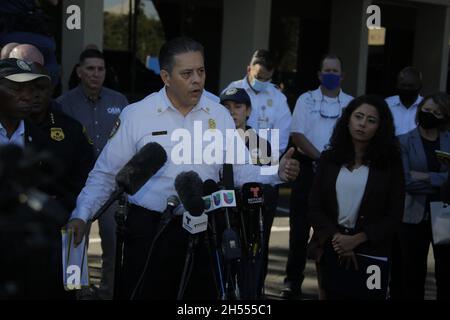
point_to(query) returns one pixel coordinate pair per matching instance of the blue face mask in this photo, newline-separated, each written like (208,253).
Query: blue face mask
(259,85)
(331,81)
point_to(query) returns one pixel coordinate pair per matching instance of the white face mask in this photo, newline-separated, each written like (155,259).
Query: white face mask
(258,85)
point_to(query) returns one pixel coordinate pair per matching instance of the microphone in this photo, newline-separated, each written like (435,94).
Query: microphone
(141,167)
(189,187)
(136,172)
(194,220)
(253,200)
(167,215)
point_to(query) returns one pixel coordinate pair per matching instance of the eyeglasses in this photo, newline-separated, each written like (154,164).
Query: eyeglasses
(325,112)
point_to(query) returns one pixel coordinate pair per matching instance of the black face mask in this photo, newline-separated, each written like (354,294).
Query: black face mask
(428,121)
(408,97)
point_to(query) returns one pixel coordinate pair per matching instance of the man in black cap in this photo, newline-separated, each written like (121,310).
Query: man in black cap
(40,274)
(16,96)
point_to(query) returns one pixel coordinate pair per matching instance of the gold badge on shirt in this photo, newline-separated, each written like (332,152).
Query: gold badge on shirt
(211,124)
(57,134)
(270,102)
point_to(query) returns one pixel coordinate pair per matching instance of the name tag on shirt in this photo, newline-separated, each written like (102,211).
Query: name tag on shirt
(159,133)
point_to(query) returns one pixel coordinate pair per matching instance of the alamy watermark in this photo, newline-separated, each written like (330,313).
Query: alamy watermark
(374,20)
(226,147)
(73,21)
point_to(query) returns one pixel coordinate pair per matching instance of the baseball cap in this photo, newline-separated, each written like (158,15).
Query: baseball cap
(238,95)
(18,70)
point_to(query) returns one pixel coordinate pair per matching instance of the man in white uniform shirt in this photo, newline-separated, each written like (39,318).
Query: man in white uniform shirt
(180,104)
(269,105)
(315,115)
(404,105)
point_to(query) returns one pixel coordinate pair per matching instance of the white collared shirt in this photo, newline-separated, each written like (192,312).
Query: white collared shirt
(315,116)
(17,138)
(154,119)
(404,118)
(350,188)
(269,111)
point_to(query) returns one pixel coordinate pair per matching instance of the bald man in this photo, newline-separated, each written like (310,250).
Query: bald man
(404,105)
(6,50)
(28,53)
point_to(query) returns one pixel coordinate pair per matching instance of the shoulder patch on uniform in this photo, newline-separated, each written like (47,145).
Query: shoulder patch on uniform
(115,128)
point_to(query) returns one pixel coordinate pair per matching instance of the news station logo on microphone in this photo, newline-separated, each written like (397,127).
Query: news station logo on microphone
(208,203)
(220,199)
(252,193)
(195,224)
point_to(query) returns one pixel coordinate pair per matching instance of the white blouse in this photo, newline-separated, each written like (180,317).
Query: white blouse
(350,187)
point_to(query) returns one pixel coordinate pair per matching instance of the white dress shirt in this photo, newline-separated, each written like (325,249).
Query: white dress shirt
(269,111)
(404,118)
(350,187)
(17,138)
(155,119)
(315,116)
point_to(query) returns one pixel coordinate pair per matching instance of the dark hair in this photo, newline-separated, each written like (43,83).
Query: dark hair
(413,72)
(382,147)
(264,58)
(177,46)
(442,100)
(330,56)
(91,53)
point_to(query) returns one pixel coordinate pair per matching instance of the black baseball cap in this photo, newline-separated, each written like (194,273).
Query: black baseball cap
(18,70)
(238,95)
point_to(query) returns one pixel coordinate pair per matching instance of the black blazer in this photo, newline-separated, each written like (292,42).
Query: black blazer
(379,215)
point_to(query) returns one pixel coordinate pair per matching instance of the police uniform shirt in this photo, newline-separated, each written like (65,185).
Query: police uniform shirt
(404,118)
(269,111)
(315,116)
(68,141)
(98,117)
(17,138)
(155,119)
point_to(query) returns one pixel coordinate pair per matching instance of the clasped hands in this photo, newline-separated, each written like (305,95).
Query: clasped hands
(344,245)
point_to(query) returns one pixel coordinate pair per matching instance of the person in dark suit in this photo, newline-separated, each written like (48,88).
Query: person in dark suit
(424,176)
(357,199)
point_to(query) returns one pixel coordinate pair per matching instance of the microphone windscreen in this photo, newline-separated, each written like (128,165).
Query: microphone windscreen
(209,187)
(141,167)
(188,185)
(195,206)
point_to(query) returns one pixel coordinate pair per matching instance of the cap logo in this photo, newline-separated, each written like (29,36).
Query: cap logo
(231,91)
(23,65)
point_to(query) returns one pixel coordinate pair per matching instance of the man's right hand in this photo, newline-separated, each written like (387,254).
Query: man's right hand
(79,229)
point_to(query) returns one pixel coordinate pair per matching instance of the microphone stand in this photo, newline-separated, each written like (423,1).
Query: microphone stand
(120,217)
(188,266)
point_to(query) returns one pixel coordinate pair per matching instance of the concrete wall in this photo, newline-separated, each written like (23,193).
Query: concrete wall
(246,27)
(348,39)
(74,41)
(431,46)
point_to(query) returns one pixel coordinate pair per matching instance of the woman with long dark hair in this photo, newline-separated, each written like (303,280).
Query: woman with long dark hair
(357,201)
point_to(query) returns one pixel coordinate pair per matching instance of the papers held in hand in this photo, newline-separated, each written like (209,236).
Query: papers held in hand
(75,268)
